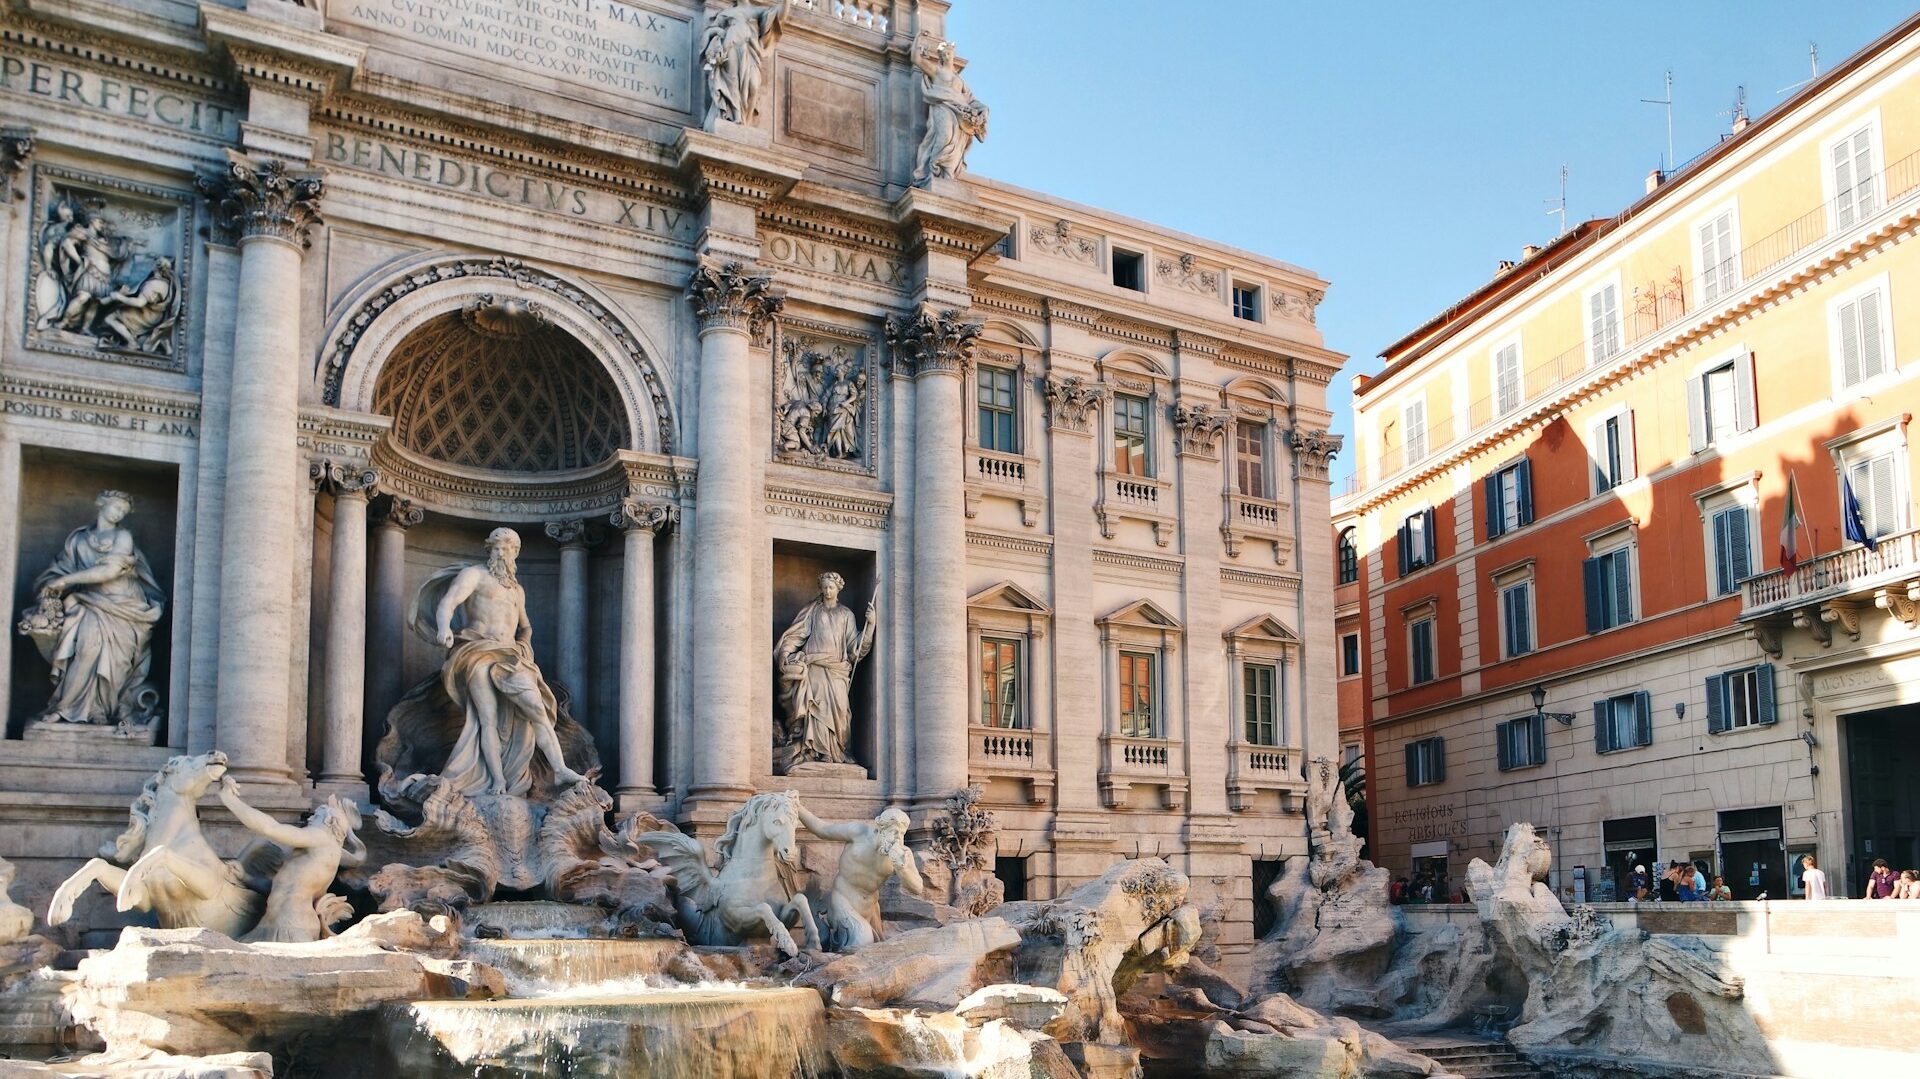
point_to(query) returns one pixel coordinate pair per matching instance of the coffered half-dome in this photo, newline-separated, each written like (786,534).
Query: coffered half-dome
(497,386)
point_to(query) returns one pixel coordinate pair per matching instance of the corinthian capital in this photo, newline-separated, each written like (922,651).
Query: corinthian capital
(1313,451)
(732,297)
(645,516)
(336,478)
(933,341)
(260,197)
(1071,401)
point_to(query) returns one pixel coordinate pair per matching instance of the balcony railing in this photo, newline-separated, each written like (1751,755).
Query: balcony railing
(1261,515)
(1254,768)
(869,14)
(1157,762)
(1845,572)
(1004,471)
(1014,754)
(1651,308)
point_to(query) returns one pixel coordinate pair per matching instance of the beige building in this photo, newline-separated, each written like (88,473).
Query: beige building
(394,275)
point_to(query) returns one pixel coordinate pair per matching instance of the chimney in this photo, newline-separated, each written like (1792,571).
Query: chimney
(1360,381)
(1655,177)
(1740,121)
(1504,266)
(1529,251)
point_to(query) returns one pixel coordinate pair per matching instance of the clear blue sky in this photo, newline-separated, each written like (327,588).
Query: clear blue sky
(1399,150)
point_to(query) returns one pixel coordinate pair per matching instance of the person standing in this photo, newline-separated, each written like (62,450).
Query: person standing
(1813,879)
(1880,882)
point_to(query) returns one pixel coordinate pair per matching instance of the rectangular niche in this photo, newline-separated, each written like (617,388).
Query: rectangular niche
(109,268)
(797,568)
(58,489)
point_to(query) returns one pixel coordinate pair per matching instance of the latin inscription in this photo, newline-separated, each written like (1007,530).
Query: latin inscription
(117,97)
(96,417)
(611,45)
(855,265)
(402,162)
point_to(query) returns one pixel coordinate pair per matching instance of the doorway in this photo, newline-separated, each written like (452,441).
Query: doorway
(1751,850)
(1629,841)
(1882,750)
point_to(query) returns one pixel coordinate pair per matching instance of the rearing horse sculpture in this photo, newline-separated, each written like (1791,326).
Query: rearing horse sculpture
(748,897)
(175,872)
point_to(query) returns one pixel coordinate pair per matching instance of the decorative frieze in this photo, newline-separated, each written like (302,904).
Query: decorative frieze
(1313,451)
(1071,401)
(262,197)
(105,408)
(108,267)
(933,342)
(1183,273)
(1060,241)
(823,407)
(732,297)
(1301,307)
(1199,428)
(840,508)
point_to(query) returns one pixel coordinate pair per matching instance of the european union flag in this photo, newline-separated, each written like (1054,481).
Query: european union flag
(1854,527)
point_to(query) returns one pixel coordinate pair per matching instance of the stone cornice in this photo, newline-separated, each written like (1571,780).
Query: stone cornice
(1002,541)
(1172,567)
(721,169)
(120,53)
(69,393)
(1013,303)
(1281,582)
(936,222)
(830,225)
(335,435)
(831,507)
(281,53)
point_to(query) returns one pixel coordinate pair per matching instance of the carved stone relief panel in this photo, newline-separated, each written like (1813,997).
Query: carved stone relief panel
(1061,241)
(108,269)
(1184,273)
(823,398)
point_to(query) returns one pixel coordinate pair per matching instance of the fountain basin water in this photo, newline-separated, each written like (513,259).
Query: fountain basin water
(693,1032)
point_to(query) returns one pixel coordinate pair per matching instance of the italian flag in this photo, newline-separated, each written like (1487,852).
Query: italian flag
(1790,526)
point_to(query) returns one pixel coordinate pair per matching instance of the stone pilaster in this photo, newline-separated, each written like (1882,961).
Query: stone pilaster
(1200,425)
(570,638)
(639,521)
(387,614)
(343,687)
(271,208)
(1313,451)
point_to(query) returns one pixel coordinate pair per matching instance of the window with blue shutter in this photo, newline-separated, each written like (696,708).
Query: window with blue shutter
(1732,549)
(1623,722)
(1420,650)
(1516,615)
(1522,743)
(1740,698)
(1608,581)
(1496,521)
(1426,762)
(1509,494)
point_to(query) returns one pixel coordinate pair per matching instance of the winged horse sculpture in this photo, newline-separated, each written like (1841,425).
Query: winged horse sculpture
(748,896)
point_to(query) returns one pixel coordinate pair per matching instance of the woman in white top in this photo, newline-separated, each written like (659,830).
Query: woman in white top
(1813,879)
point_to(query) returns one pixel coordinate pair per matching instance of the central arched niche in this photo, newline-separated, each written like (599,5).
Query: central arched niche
(497,386)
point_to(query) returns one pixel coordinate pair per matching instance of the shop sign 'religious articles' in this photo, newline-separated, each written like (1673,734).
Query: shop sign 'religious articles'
(623,48)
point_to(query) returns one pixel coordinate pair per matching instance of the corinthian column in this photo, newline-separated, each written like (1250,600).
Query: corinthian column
(731,305)
(639,521)
(345,678)
(571,639)
(272,209)
(938,347)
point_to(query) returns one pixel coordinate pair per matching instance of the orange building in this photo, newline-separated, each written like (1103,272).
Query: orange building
(1569,512)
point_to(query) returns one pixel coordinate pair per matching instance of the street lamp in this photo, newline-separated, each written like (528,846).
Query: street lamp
(1540,704)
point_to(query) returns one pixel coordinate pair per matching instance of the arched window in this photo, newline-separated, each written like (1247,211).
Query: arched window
(1349,558)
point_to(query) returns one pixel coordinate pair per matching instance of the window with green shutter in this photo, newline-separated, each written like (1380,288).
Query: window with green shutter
(1741,698)
(1623,722)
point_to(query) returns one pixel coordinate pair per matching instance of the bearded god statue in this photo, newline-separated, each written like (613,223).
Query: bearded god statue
(816,658)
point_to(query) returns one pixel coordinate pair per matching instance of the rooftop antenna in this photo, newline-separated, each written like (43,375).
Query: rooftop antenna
(1813,62)
(1668,102)
(1559,206)
(1738,113)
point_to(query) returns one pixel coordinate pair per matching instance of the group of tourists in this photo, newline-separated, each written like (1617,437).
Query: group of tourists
(1677,882)
(1425,887)
(1884,883)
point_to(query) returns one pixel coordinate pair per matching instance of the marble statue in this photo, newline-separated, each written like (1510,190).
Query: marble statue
(86,281)
(172,870)
(142,318)
(843,411)
(16,921)
(816,657)
(822,403)
(955,118)
(98,604)
(479,613)
(52,272)
(734,50)
(299,906)
(750,895)
(876,851)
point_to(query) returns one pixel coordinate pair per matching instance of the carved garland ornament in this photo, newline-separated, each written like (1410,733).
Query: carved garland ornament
(1314,451)
(1200,427)
(1071,401)
(1061,242)
(732,297)
(931,342)
(260,197)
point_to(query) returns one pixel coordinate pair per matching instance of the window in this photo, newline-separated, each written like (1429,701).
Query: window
(1349,654)
(1506,378)
(1416,542)
(1139,711)
(1860,337)
(1349,557)
(1732,548)
(1420,649)
(1623,722)
(1603,323)
(1720,401)
(1130,270)
(1000,684)
(1740,698)
(1509,498)
(1005,247)
(1259,685)
(1132,451)
(1876,488)
(1246,302)
(1609,587)
(1349,753)
(1719,261)
(1610,448)
(1426,762)
(1516,618)
(999,414)
(1851,161)
(1522,743)
(1250,458)
(1414,427)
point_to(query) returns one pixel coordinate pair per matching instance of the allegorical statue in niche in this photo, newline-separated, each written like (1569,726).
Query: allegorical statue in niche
(816,657)
(97,606)
(955,118)
(875,852)
(734,50)
(479,613)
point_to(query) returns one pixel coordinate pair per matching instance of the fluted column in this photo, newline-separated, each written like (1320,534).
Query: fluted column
(731,305)
(639,521)
(938,347)
(344,682)
(571,636)
(272,209)
(387,616)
